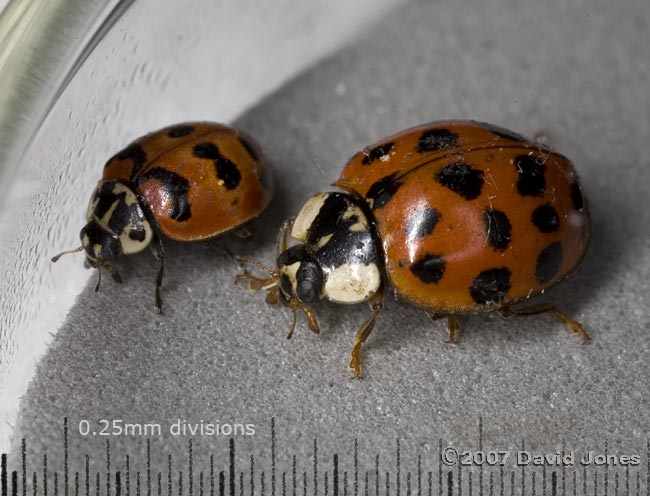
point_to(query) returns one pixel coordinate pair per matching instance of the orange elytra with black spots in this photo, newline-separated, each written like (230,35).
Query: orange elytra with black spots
(188,182)
(471,216)
(456,217)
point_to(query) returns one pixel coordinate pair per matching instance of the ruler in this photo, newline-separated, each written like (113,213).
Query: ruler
(450,471)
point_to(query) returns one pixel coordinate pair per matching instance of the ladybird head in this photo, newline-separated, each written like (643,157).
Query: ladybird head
(297,280)
(300,275)
(98,244)
(338,255)
(117,225)
(100,248)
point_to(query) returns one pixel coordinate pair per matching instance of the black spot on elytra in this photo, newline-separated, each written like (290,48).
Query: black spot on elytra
(227,171)
(546,218)
(497,228)
(250,148)
(180,131)
(461,178)
(206,149)
(549,262)
(377,152)
(433,140)
(490,286)
(531,175)
(576,197)
(136,155)
(176,188)
(429,269)
(422,222)
(383,190)
(502,132)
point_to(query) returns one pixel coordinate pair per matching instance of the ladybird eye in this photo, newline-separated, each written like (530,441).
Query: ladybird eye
(310,282)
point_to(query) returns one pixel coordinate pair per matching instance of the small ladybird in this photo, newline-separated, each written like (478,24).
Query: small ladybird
(456,217)
(189,182)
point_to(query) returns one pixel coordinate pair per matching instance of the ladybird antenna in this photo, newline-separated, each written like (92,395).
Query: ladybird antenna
(244,261)
(56,257)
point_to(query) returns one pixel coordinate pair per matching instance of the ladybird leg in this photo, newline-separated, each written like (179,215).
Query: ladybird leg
(257,283)
(99,264)
(376,304)
(116,275)
(254,283)
(573,325)
(99,278)
(227,252)
(243,233)
(294,310)
(311,318)
(295,305)
(453,328)
(272,297)
(159,253)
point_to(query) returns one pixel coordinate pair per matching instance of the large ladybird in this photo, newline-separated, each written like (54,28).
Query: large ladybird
(456,217)
(188,182)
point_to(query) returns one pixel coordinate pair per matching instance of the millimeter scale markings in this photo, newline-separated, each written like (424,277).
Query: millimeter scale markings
(330,474)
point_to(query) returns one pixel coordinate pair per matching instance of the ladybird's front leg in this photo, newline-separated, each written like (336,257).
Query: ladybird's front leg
(376,304)
(159,253)
(114,273)
(257,283)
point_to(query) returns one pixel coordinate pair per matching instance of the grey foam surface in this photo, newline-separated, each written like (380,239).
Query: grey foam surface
(580,71)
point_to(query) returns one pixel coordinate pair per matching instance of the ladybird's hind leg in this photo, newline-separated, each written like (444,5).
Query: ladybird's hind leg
(453,329)
(159,253)
(573,325)
(376,304)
